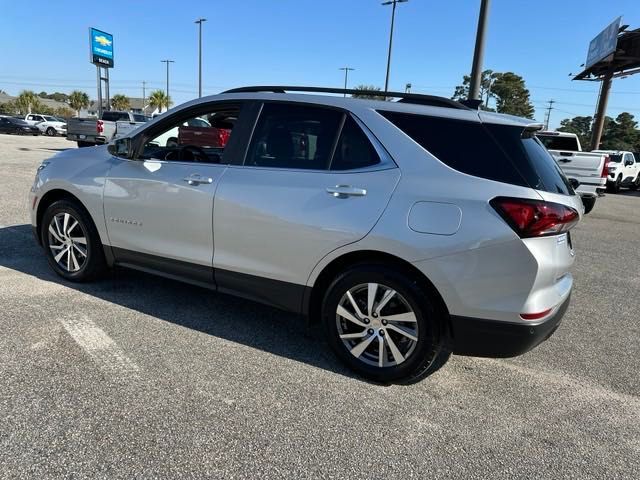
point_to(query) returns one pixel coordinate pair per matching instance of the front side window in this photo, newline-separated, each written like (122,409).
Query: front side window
(294,136)
(199,138)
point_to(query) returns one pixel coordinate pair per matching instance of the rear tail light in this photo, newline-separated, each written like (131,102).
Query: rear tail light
(605,168)
(100,127)
(535,316)
(535,218)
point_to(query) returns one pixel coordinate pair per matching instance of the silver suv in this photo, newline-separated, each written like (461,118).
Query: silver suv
(410,229)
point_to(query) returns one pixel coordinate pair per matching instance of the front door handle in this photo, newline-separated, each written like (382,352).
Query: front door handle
(564,160)
(344,191)
(197,179)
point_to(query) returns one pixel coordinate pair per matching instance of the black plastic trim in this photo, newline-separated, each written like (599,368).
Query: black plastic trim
(176,269)
(284,295)
(491,338)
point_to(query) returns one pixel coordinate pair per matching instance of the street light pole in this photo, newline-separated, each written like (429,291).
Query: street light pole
(200,22)
(168,62)
(346,75)
(478,53)
(393,18)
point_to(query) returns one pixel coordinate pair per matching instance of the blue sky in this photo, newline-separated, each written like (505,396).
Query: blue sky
(305,42)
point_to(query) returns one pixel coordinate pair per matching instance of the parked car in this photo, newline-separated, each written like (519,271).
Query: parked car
(47,124)
(588,168)
(17,126)
(112,124)
(623,170)
(195,131)
(408,229)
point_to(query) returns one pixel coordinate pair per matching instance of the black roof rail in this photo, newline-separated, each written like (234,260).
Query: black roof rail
(430,100)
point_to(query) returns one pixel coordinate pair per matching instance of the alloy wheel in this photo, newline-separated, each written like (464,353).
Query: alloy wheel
(377,325)
(67,242)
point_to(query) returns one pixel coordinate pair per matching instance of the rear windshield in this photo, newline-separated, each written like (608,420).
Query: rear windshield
(568,144)
(496,152)
(115,116)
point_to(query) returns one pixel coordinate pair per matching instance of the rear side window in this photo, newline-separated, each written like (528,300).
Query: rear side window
(354,150)
(495,152)
(294,136)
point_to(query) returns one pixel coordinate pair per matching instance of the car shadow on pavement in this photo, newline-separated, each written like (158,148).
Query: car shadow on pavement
(224,316)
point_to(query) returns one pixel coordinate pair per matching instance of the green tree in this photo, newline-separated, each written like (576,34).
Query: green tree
(64,112)
(581,126)
(8,108)
(27,102)
(365,89)
(621,133)
(120,102)
(158,99)
(78,100)
(512,96)
(486,83)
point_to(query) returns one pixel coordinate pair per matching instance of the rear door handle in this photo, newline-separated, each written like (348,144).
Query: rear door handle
(344,191)
(197,179)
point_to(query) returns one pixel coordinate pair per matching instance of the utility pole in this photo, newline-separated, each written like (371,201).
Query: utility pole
(603,99)
(393,18)
(167,90)
(478,53)
(346,76)
(548,116)
(144,94)
(200,21)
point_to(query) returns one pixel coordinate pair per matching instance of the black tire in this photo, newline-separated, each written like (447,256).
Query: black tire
(589,203)
(616,186)
(83,144)
(636,184)
(51,132)
(94,264)
(172,142)
(419,359)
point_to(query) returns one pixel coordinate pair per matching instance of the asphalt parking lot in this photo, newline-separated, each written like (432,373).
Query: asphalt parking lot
(140,377)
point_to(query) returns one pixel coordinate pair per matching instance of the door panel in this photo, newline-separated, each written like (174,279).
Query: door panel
(278,223)
(162,208)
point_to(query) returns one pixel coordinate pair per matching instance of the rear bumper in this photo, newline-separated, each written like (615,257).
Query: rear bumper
(490,338)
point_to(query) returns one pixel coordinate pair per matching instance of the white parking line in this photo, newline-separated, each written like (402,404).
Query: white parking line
(104,352)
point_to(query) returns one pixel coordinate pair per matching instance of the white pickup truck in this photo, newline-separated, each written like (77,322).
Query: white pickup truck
(47,124)
(588,168)
(624,170)
(112,124)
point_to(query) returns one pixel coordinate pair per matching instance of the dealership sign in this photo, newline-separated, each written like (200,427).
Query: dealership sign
(101,48)
(604,44)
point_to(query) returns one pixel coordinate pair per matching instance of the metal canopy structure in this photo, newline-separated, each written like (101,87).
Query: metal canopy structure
(624,61)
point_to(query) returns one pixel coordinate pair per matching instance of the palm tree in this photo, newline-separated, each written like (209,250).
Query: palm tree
(120,102)
(365,89)
(78,100)
(158,99)
(26,101)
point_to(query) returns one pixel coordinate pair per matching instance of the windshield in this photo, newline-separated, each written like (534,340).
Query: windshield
(559,143)
(615,158)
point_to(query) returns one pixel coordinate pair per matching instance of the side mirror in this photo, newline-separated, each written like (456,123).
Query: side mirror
(574,183)
(121,147)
